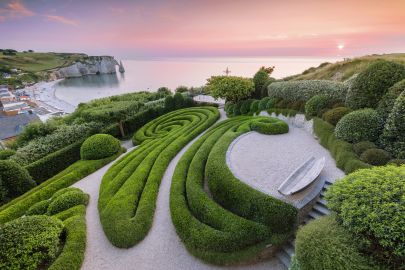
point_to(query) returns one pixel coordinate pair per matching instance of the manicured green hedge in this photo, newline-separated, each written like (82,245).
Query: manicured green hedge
(376,157)
(6,153)
(340,150)
(370,204)
(305,89)
(99,146)
(269,126)
(129,189)
(360,147)
(316,104)
(324,244)
(388,100)
(334,115)
(237,222)
(29,242)
(66,201)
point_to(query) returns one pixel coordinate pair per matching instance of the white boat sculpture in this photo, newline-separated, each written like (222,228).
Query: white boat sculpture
(303,176)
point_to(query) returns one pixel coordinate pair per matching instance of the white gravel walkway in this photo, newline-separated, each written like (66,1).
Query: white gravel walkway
(161,249)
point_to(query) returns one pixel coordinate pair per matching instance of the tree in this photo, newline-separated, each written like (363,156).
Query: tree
(178,100)
(260,79)
(231,88)
(164,90)
(181,89)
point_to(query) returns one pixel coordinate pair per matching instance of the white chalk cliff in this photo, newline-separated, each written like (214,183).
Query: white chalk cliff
(88,66)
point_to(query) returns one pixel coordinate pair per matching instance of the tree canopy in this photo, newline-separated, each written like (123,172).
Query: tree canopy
(231,88)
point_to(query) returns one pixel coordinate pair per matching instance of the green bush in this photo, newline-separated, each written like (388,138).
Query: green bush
(271,103)
(237,109)
(254,107)
(6,153)
(178,99)
(29,242)
(169,103)
(181,89)
(340,150)
(38,208)
(370,203)
(66,201)
(269,126)
(361,125)
(360,147)
(397,162)
(15,179)
(376,157)
(315,104)
(263,104)
(259,80)
(230,88)
(324,244)
(130,187)
(393,137)
(235,222)
(371,84)
(245,107)
(99,146)
(388,100)
(303,90)
(334,115)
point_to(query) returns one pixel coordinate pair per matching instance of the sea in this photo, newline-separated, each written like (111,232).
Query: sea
(149,75)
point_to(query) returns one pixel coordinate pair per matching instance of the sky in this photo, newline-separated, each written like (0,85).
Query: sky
(205,28)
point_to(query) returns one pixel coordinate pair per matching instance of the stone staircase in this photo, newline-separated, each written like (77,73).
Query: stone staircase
(319,210)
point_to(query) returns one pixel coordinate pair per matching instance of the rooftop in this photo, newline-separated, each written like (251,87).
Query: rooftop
(11,126)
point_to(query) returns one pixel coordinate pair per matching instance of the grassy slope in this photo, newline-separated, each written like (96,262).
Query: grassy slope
(343,70)
(36,62)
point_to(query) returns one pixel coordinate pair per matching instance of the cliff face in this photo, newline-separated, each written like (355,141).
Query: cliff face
(87,66)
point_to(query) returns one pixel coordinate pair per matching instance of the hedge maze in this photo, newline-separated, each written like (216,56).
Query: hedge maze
(129,189)
(229,222)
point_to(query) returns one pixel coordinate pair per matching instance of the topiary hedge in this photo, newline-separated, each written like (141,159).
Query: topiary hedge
(245,107)
(360,147)
(315,104)
(263,104)
(66,201)
(371,84)
(269,126)
(376,157)
(99,146)
(388,100)
(29,242)
(38,208)
(370,203)
(324,244)
(334,115)
(6,153)
(14,179)
(361,125)
(254,107)
(303,90)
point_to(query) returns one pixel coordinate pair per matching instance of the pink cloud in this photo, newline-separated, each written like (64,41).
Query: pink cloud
(61,19)
(15,9)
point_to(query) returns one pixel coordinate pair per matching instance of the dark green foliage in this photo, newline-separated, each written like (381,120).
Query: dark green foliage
(29,242)
(245,107)
(297,106)
(235,222)
(6,153)
(35,130)
(229,110)
(254,107)
(169,103)
(52,164)
(271,103)
(340,150)
(334,115)
(376,157)
(315,104)
(259,81)
(189,102)
(181,89)
(387,102)
(14,179)
(393,137)
(99,146)
(269,126)
(38,208)
(130,187)
(371,84)
(360,147)
(397,162)
(324,244)
(263,104)
(178,99)
(164,91)
(237,109)
(66,201)
(361,125)
(370,203)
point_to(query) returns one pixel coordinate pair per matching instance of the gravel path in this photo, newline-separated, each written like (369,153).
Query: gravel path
(161,249)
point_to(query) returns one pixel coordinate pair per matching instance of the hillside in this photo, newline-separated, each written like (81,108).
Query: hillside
(343,70)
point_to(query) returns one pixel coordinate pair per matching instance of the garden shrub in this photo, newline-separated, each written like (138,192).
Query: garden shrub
(334,115)
(178,99)
(235,222)
(324,244)
(361,125)
(315,104)
(360,147)
(297,106)
(263,103)
(230,88)
(237,109)
(127,210)
(393,137)
(169,103)
(271,103)
(66,201)
(376,157)
(15,179)
(340,150)
(269,126)
(388,100)
(303,90)
(6,153)
(371,84)
(181,89)
(38,208)
(370,204)
(29,242)
(99,146)
(254,107)
(245,107)
(259,80)
(397,162)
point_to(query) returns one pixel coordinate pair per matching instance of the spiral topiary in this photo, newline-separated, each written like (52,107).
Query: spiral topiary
(99,146)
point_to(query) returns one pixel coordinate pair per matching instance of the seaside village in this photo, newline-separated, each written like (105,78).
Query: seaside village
(18,108)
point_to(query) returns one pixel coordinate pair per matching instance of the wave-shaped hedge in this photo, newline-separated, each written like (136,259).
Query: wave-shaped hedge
(129,189)
(232,222)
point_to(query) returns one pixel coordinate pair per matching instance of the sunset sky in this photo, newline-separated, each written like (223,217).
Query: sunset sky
(152,28)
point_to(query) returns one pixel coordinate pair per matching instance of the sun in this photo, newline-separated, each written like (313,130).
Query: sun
(340,46)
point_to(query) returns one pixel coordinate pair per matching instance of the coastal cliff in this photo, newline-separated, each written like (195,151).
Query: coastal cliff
(87,66)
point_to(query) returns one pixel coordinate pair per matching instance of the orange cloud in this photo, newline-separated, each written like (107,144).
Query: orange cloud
(15,9)
(61,19)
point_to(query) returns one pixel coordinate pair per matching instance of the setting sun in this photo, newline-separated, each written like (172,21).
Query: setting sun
(340,46)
